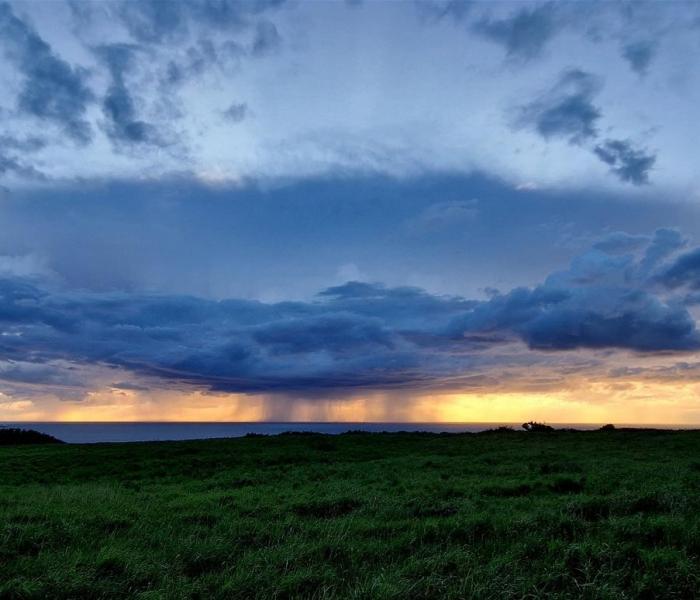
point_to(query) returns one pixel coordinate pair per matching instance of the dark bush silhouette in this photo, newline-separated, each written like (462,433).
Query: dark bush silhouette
(535,427)
(608,427)
(502,429)
(15,435)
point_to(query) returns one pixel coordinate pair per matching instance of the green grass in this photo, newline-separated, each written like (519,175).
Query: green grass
(571,515)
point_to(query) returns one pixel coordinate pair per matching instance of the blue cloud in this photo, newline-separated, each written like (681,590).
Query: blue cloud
(11,159)
(267,39)
(525,33)
(155,21)
(236,112)
(602,301)
(52,90)
(684,271)
(664,243)
(566,110)
(439,9)
(118,105)
(621,242)
(626,162)
(639,55)
(548,318)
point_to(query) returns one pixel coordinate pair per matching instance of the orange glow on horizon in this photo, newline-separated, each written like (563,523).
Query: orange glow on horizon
(634,402)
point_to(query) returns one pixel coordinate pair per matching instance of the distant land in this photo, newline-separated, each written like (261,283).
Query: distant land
(95,432)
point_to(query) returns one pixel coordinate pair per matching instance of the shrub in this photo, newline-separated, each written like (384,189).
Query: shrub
(14,435)
(501,429)
(535,427)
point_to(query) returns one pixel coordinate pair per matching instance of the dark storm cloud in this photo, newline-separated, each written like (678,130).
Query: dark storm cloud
(684,271)
(639,55)
(550,318)
(664,243)
(604,300)
(525,33)
(626,162)
(51,89)
(123,125)
(566,110)
(357,335)
(232,344)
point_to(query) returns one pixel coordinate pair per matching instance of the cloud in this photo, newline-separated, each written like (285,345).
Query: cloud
(156,22)
(356,335)
(170,43)
(31,143)
(229,345)
(195,35)
(439,9)
(13,164)
(566,110)
(12,160)
(236,112)
(152,21)
(621,242)
(523,34)
(639,55)
(548,318)
(52,90)
(664,243)
(602,301)
(627,163)
(129,386)
(684,271)
(267,39)
(123,126)
(199,57)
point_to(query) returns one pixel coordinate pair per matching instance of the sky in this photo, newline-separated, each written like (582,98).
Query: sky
(427,210)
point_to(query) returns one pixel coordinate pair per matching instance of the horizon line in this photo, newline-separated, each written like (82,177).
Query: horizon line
(453,423)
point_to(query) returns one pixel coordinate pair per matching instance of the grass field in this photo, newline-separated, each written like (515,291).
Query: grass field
(500,515)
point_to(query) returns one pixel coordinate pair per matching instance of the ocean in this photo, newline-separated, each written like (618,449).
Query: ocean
(89,433)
